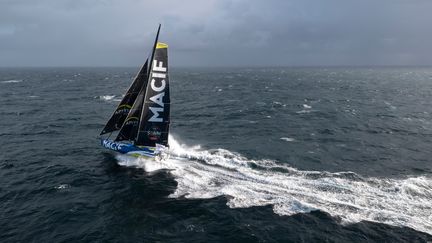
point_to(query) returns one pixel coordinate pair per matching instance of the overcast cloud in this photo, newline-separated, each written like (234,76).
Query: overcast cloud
(216,32)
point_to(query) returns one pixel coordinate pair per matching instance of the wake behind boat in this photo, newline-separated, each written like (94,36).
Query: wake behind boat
(142,119)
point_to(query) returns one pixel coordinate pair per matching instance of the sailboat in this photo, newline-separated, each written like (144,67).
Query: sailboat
(142,118)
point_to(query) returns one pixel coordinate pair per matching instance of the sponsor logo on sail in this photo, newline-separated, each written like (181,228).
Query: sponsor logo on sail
(132,121)
(154,134)
(123,110)
(158,85)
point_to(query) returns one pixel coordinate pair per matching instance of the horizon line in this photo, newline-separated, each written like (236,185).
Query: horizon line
(232,66)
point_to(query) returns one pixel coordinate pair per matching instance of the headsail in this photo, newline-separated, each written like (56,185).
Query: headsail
(119,116)
(154,120)
(130,126)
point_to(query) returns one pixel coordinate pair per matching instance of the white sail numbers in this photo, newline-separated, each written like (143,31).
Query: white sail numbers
(159,73)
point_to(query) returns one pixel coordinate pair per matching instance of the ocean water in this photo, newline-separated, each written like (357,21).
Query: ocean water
(256,155)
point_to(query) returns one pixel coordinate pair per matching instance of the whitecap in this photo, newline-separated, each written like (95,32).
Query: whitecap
(278,104)
(106,97)
(303,111)
(11,81)
(392,107)
(62,186)
(287,139)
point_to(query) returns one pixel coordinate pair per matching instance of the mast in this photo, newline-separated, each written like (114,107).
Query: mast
(153,51)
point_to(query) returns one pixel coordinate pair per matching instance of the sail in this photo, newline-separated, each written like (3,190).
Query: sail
(130,126)
(154,120)
(129,130)
(118,117)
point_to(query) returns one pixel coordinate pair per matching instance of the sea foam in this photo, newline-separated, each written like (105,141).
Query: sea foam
(353,198)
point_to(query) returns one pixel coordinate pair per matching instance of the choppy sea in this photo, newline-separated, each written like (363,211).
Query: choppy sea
(257,155)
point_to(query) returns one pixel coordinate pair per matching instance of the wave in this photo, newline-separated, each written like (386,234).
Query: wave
(287,139)
(347,195)
(106,97)
(11,81)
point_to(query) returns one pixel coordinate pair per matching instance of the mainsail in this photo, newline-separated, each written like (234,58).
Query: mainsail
(154,120)
(123,109)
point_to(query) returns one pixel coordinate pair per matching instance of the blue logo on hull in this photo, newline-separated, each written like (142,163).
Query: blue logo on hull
(112,145)
(125,148)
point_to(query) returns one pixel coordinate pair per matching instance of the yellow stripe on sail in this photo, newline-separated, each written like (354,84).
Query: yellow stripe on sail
(125,106)
(161,45)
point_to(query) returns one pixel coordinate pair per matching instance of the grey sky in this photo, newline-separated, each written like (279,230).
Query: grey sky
(216,32)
